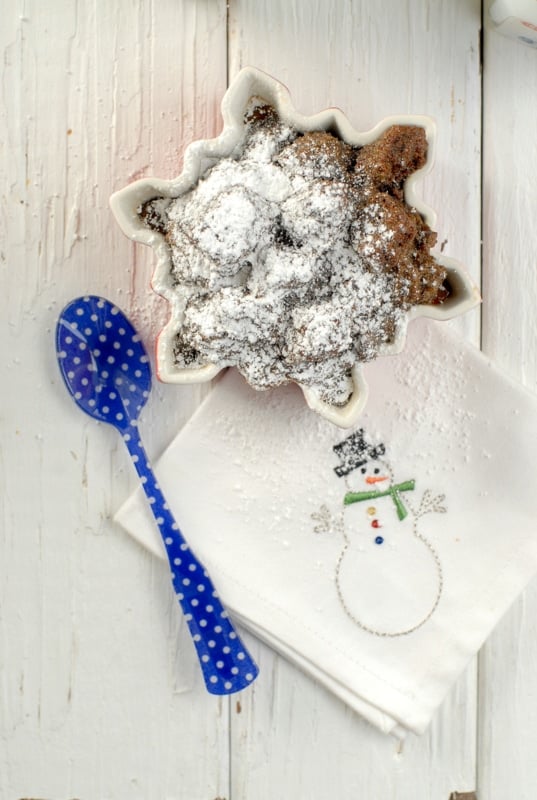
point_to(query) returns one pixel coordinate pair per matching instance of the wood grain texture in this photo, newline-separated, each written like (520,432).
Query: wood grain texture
(508,662)
(98,700)
(291,738)
(100,693)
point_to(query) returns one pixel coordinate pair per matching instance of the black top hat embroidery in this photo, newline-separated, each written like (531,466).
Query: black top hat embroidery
(354,451)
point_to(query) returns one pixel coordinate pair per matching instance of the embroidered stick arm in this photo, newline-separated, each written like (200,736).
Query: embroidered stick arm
(323,520)
(430,504)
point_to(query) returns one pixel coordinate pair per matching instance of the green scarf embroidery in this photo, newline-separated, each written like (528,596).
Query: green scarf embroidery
(393,492)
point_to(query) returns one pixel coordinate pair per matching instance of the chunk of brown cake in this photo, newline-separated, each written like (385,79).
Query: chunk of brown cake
(298,256)
(386,163)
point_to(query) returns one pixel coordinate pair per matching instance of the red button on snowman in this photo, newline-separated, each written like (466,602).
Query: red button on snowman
(388,575)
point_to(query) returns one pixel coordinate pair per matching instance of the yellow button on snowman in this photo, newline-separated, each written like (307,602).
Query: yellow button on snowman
(388,575)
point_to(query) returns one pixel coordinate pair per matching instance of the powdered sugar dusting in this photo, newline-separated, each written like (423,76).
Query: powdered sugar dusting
(287,261)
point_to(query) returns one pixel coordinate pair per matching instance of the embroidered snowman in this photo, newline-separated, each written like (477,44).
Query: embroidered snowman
(388,575)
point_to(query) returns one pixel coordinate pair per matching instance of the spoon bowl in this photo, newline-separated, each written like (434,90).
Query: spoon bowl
(106,369)
(103,361)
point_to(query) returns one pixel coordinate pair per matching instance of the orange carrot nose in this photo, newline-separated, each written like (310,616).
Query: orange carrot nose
(376,478)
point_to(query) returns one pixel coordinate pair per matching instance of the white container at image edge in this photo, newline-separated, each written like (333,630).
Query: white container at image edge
(516,19)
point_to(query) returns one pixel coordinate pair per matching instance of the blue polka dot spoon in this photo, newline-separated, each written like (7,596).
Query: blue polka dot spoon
(106,369)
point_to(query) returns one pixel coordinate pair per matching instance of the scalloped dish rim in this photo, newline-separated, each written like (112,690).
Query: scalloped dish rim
(200,155)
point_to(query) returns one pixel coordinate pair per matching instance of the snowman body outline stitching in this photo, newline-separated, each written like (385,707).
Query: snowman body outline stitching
(355,453)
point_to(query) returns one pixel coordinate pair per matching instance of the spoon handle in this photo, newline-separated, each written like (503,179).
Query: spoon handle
(226,664)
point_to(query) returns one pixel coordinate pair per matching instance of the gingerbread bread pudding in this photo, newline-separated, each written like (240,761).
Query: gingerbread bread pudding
(297,256)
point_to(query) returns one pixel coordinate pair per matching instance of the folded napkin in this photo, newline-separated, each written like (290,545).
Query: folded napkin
(377,559)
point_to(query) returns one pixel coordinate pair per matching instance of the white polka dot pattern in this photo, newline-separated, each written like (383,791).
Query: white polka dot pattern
(106,370)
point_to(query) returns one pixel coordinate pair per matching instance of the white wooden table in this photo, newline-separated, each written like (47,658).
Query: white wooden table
(100,696)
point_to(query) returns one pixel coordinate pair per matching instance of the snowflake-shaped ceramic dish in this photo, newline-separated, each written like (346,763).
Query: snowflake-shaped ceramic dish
(201,156)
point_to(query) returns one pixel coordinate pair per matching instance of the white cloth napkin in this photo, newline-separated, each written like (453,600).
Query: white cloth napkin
(384,599)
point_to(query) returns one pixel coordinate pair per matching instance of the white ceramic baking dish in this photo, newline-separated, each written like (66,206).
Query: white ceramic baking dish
(201,155)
